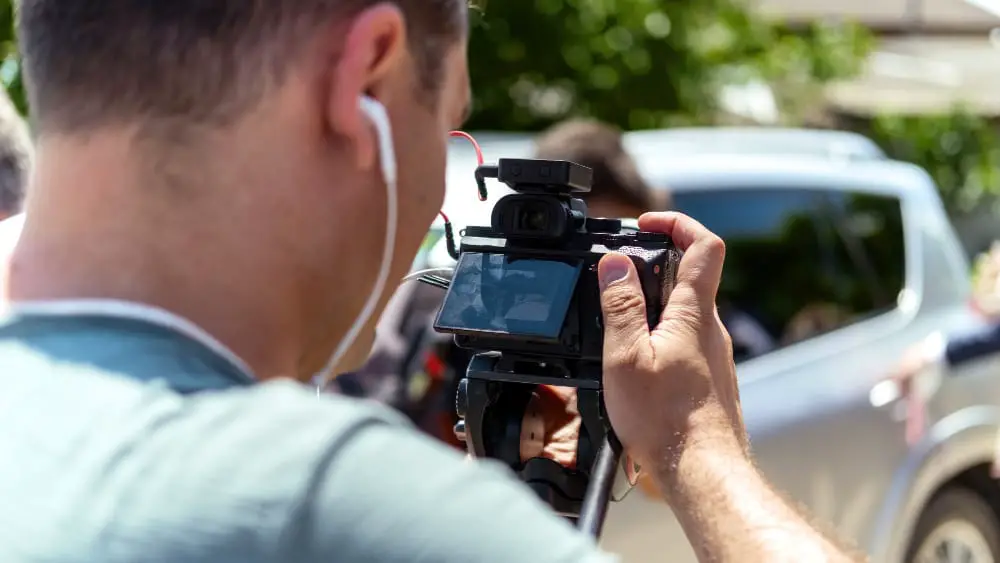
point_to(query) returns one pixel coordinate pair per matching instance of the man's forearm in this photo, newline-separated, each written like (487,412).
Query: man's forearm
(730,513)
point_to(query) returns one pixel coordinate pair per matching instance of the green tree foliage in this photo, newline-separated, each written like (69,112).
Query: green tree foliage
(960,150)
(9,70)
(638,63)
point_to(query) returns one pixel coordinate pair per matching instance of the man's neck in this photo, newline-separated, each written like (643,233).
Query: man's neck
(87,235)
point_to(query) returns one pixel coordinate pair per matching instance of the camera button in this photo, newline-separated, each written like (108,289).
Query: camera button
(643,236)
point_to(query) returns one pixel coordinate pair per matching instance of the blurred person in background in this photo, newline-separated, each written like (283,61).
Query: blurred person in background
(986,282)
(619,190)
(416,370)
(924,364)
(198,246)
(15,164)
(922,367)
(15,158)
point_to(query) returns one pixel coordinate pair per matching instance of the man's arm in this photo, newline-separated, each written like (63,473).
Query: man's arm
(730,513)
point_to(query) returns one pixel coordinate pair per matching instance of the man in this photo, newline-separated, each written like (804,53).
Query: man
(211,181)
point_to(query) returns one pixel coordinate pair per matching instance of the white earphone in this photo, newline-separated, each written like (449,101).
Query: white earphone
(387,160)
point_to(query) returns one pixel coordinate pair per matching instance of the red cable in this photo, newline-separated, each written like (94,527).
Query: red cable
(475,146)
(479,161)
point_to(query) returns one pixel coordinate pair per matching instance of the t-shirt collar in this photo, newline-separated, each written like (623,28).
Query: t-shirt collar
(114,308)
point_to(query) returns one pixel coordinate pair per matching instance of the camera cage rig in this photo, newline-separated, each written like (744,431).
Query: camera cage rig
(543,232)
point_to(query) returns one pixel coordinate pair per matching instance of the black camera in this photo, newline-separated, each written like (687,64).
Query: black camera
(525,296)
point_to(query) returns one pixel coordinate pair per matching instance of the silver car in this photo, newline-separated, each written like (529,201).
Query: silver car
(837,260)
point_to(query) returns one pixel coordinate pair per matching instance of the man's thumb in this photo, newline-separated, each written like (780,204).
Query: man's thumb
(626,331)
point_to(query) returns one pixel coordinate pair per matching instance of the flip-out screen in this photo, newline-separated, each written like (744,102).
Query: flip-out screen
(497,294)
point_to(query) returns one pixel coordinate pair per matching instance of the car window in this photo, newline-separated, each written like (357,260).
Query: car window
(800,263)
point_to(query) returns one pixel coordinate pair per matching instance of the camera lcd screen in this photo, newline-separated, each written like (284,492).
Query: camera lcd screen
(502,295)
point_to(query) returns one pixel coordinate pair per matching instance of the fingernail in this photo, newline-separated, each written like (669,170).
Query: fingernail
(613,268)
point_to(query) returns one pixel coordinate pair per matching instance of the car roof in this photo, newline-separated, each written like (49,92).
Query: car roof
(713,168)
(684,141)
(754,141)
(711,172)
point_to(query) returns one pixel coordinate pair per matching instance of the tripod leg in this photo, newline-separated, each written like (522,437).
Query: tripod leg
(602,479)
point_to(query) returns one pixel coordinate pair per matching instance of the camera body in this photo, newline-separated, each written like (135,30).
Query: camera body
(525,295)
(527,285)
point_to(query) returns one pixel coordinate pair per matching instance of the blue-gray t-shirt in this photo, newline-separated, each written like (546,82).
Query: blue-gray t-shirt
(126,440)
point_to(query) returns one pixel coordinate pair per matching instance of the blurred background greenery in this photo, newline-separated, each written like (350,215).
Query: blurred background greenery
(639,63)
(659,63)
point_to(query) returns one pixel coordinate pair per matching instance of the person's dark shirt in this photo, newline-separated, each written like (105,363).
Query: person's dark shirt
(973,345)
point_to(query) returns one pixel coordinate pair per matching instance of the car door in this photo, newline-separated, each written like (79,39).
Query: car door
(809,294)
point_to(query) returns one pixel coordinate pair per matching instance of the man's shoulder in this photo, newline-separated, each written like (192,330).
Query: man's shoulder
(264,473)
(226,471)
(257,466)
(271,434)
(221,476)
(279,407)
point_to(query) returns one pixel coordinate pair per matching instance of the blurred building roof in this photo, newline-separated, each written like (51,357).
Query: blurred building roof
(932,56)
(889,15)
(925,75)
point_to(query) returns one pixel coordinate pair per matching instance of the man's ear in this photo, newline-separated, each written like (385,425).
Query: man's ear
(373,48)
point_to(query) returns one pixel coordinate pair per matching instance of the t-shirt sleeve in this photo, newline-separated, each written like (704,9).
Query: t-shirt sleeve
(387,493)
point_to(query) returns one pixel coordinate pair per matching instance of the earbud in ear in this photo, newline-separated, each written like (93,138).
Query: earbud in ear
(380,119)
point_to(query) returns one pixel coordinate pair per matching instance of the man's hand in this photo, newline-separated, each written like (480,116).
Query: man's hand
(673,400)
(671,388)
(551,426)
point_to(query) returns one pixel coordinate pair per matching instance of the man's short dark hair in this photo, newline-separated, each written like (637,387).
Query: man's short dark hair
(96,63)
(599,147)
(15,157)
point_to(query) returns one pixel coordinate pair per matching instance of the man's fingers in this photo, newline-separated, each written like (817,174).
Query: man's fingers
(551,425)
(532,430)
(626,331)
(683,230)
(700,268)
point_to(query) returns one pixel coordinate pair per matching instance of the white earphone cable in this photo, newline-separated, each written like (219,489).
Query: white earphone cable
(387,159)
